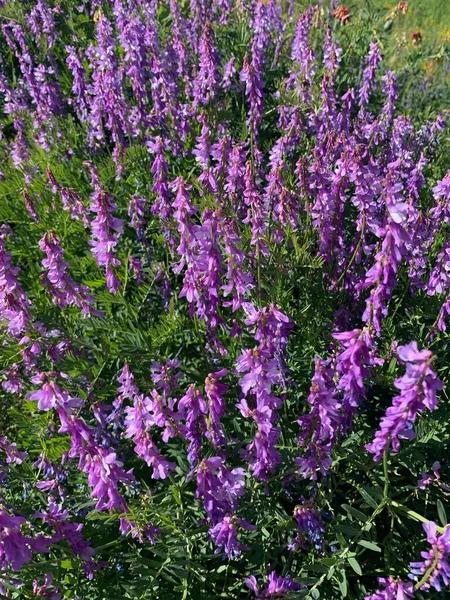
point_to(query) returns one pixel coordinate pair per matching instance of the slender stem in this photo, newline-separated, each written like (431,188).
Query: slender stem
(413,514)
(428,572)
(386,474)
(354,255)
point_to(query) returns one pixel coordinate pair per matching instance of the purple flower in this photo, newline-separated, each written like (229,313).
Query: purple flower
(71,201)
(352,369)
(108,107)
(58,282)
(392,589)
(251,75)
(48,589)
(427,479)
(106,231)
(163,201)
(138,422)
(208,77)
(277,586)
(136,531)
(418,389)
(219,487)
(193,408)
(13,455)
(51,396)
(321,426)
(215,391)
(224,536)
(166,377)
(229,73)
(373,62)
(434,570)
(310,526)
(57,518)
(80,100)
(16,548)
(14,304)
(13,383)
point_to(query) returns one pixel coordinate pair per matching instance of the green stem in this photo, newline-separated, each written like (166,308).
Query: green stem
(354,255)
(413,514)
(386,475)
(428,572)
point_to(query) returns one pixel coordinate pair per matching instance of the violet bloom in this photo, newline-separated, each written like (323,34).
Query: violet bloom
(427,479)
(193,408)
(392,589)
(41,21)
(201,253)
(58,282)
(256,212)
(207,81)
(251,74)
(184,209)
(239,281)
(147,532)
(108,105)
(71,201)
(310,526)
(166,377)
(372,64)
(202,155)
(418,389)
(137,209)
(163,201)
(303,55)
(137,42)
(261,374)
(219,487)
(229,73)
(13,455)
(320,427)
(57,519)
(138,423)
(14,304)
(13,383)
(224,536)
(163,414)
(352,369)
(106,231)
(128,388)
(47,589)
(215,391)
(15,548)
(79,85)
(277,586)
(434,570)
(50,395)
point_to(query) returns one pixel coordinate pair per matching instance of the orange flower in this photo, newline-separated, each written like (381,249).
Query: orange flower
(402,7)
(341,14)
(416,38)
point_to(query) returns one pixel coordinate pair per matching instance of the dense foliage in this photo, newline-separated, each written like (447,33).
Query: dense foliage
(224,293)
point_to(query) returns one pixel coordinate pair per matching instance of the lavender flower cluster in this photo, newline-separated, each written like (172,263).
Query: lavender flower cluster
(239,175)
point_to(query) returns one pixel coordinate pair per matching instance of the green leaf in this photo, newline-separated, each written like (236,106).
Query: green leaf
(343,584)
(369,545)
(355,565)
(355,512)
(441,513)
(368,497)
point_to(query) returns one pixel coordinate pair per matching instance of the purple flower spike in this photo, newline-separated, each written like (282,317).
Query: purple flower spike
(392,589)
(106,231)
(436,560)
(277,586)
(418,389)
